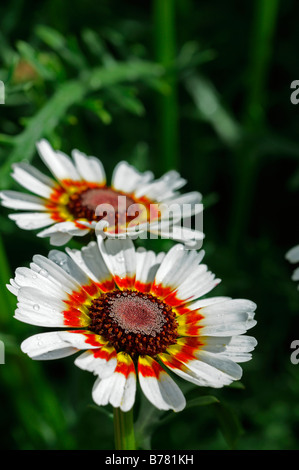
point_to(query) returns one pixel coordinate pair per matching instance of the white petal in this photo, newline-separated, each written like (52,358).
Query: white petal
(60,233)
(196,284)
(123,393)
(12,287)
(178,264)
(58,163)
(81,340)
(192,199)
(57,274)
(120,258)
(90,260)
(173,229)
(218,310)
(221,363)
(235,324)
(25,277)
(101,366)
(229,346)
(147,264)
(59,238)
(118,389)
(33,180)
(226,318)
(17,200)
(239,347)
(47,346)
(293,254)
(45,317)
(158,386)
(295,275)
(69,266)
(54,345)
(162,188)
(31,220)
(90,168)
(169,266)
(37,308)
(30,296)
(126,178)
(199,372)
(197,304)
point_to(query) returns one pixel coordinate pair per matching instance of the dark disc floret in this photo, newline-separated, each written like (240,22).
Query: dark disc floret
(134,322)
(84,204)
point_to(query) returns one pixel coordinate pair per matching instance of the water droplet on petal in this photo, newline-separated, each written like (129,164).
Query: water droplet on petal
(44,272)
(36,307)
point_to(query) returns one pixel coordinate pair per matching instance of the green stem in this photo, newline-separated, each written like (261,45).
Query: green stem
(247,157)
(266,13)
(167,112)
(124,430)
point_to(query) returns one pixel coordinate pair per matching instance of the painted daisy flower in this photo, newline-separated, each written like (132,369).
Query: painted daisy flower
(134,313)
(293,257)
(79,200)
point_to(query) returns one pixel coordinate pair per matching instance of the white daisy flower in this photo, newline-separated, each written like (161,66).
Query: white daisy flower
(79,198)
(293,257)
(134,314)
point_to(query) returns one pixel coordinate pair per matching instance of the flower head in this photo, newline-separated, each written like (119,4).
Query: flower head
(79,200)
(134,313)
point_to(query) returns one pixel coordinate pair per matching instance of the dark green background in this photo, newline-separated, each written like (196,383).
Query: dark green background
(243,158)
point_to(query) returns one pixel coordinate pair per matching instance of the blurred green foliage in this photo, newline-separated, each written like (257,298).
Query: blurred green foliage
(203,87)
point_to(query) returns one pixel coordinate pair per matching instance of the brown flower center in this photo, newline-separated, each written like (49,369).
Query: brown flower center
(134,322)
(101,203)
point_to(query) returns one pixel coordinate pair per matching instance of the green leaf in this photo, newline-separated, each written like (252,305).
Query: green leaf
(97,47)
(123,72)
(42,123)
(237,385)
(50,36)
(211,109)
(229,424)
(6,139)
(56,41)
(148,420)
(30,55)
(191,56)
(202,401)
(97,107)
(68,94)
(102,410)
(125,98)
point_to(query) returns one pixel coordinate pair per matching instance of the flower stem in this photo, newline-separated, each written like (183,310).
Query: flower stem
(247,158)
(124,430)
(167,104)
